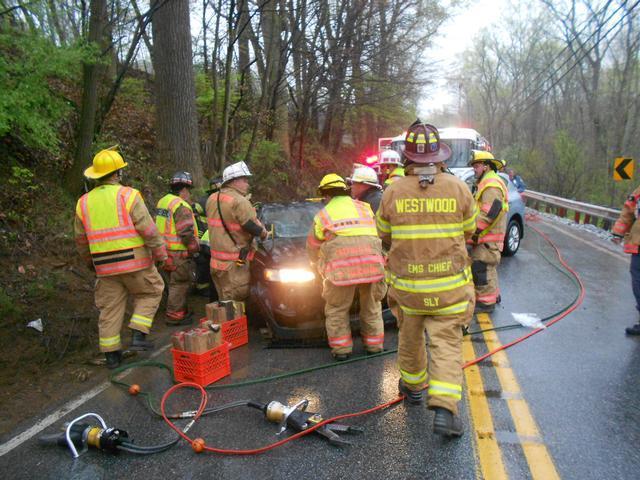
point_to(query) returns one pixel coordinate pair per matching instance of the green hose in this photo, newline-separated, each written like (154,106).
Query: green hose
(545,319)
(153,407)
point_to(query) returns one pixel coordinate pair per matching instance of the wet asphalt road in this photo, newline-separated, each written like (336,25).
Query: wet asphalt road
(579,380)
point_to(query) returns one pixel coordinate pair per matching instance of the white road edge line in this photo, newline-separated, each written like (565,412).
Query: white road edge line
(619,255)
(62,411)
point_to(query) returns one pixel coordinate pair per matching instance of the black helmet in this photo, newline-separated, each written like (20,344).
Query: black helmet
(181,178)
(422,144)
(215,184)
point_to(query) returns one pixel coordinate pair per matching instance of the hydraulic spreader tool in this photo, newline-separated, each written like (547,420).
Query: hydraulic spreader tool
(297,418)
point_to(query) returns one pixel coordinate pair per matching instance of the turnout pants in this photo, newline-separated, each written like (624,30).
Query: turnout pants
(486,258)
(338,300)
(232,284)
(111,293)
(445,354)
(180,281)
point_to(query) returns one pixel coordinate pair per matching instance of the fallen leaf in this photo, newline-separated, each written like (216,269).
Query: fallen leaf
(21,269)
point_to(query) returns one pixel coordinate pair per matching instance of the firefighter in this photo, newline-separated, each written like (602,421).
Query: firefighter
(393,176)
(177,223)
(233,224)
(628,227)
(344,248)
(117,238)
(365,186)
(488,239)
(424,220)
(389,161)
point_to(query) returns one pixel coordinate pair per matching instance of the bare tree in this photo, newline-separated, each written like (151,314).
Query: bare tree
(92,74)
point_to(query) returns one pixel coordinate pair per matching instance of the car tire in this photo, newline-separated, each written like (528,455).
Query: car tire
(512,238)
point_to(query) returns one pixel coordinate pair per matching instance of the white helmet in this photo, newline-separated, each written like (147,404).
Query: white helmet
(235,170)
(390,157)
(366,175)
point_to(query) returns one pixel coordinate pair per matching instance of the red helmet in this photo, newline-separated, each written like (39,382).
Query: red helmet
(422,144)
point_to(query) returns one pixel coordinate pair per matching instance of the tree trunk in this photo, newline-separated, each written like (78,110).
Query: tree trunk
(92,73)
(177,139)
(228,79)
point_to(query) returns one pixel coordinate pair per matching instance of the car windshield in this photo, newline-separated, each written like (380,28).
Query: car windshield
(292,220)
(460,152)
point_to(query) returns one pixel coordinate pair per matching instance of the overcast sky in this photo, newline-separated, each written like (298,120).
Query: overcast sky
(456,36)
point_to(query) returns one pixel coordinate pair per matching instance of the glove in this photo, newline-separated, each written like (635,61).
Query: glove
(167,265)
(194,247)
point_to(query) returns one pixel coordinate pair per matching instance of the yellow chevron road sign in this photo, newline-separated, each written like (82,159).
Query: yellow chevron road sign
(623,169)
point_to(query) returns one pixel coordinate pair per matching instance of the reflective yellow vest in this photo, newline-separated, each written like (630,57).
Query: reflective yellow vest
(165,211)
(492,233)
(205,239)
(346,257)
(343,217)
(201,217)
(104,212)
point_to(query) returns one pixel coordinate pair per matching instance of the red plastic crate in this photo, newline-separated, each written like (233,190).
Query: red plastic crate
(234,332)
(201,368)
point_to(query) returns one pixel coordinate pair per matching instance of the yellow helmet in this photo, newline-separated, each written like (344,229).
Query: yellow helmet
(332,180)
(486,157)
(105,162)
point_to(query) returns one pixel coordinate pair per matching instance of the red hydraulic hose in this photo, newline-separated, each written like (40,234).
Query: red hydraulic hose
(549,323)
(253,451)
(198,444)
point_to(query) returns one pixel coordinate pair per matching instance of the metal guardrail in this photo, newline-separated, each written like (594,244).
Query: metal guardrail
(588,212)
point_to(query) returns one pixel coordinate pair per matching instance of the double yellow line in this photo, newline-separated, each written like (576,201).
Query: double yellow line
(492,466)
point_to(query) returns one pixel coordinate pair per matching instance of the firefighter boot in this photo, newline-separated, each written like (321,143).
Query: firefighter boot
(446,423)
(139,341)
(341,357)
(175,322)
(413,397)
(635,330)
(484,307)
(113,359)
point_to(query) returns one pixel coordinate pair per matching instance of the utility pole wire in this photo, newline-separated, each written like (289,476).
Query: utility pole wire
(576,63)
(566,48)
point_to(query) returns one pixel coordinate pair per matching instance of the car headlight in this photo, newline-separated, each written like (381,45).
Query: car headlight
(289,275)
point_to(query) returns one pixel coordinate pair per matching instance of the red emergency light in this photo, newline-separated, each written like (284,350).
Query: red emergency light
(371,160)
